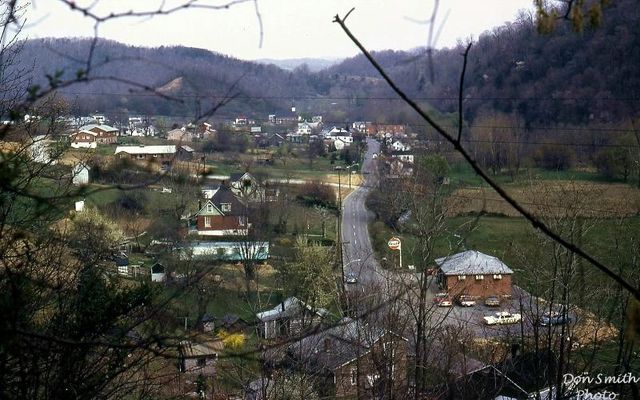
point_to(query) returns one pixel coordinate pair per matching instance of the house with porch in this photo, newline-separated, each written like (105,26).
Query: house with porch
(291,317)
(162,154)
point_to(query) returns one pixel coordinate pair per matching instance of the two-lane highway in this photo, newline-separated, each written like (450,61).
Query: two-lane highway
(357,250)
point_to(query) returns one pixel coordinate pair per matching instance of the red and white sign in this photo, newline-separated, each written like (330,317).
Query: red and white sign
(394,243)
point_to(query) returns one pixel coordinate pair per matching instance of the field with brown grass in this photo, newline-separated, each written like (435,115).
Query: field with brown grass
(550,198)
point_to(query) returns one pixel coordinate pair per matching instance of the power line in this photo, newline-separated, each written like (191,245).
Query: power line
(351,98)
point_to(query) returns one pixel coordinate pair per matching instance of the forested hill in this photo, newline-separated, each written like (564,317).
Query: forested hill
(188,74)
(559,78)
(563,77)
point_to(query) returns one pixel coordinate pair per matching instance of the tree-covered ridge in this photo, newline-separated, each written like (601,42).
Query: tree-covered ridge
(559,77)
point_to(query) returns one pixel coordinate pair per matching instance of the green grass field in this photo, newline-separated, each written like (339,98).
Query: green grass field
(461,173)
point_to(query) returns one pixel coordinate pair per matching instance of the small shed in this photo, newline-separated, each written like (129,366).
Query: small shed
(200,358)
(207,323)
(158,273)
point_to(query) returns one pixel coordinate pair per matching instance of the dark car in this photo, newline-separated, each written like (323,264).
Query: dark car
(554,318)
(492,301)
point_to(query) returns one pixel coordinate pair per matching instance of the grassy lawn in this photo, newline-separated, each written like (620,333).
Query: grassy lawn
(504,237)
(461,173)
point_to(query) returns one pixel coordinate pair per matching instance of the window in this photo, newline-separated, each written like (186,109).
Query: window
(462,277)
(201,362)
(225,207)
(241,221)
(209,208)
(497,276)
(479,277)
(354,376)
(207,222)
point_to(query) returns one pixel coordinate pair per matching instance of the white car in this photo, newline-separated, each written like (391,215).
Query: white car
(351,278)
(466,301)
(503,317)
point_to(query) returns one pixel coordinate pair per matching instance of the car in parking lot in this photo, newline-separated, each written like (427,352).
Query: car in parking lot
(492,301)
(351,278)
(466,300)
(442,300)
(554,318)
(502,317)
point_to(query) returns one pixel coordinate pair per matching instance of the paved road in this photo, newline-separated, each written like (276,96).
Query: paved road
(357,250)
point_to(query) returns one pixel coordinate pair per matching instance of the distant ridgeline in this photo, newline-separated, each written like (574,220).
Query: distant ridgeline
(560,78)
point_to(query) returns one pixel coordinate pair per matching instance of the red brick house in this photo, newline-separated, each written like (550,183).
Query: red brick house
(84,140)
(105,134)
(475,274)
(224,214)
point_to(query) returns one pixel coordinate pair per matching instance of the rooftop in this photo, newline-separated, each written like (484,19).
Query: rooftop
(289,307)
(472,262)
(158,149)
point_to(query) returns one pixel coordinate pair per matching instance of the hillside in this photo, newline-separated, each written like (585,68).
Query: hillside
(564,77)
(189,75)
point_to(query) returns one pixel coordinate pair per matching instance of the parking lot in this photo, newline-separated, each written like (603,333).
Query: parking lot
(473,317)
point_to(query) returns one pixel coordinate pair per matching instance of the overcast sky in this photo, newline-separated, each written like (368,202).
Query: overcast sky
(292,28)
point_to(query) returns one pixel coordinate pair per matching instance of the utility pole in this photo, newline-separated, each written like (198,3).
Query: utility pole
(339,235)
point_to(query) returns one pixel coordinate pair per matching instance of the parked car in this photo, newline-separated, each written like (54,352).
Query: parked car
(502,317)
(442,300)
(466,301)
(351,278)
(554,318)
(492,301)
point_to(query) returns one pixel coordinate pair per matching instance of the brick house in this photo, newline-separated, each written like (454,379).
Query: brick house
(224,214)
(105,134)
(475,274)
(351,360)
(84,140)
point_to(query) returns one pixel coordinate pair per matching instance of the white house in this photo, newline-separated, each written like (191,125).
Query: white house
(228,251)
(304,128)
(80,174)
(399,146)
(403,156)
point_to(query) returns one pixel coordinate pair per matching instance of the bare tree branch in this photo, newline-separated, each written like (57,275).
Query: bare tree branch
(536,222)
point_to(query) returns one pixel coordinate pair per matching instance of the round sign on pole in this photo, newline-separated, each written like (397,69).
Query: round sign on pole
(394,243)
